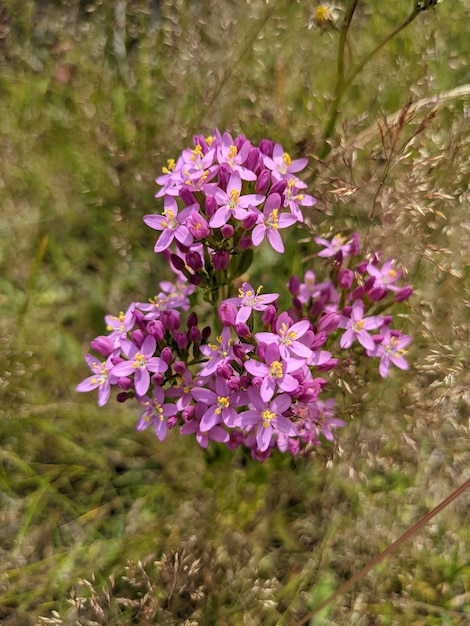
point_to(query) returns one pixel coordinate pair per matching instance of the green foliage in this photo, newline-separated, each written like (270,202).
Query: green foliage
(96,517)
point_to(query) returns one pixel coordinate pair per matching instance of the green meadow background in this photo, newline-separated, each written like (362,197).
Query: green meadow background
(102,525)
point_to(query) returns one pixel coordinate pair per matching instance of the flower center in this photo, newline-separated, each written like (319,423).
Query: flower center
(268,416)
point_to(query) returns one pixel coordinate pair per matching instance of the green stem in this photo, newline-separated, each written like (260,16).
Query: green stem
(343,83)
(340,84)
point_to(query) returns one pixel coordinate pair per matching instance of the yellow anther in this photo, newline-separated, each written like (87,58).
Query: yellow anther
(286,158)
(275,369)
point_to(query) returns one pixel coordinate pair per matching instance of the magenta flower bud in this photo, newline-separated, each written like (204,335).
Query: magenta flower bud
(239,352)
(354,245)
(206,332)
(316,309)
(192,320)
(177,262)
(186,196)
(269,315)
(234,383)
(157,379)
(171,422)
(197,225)
(345,278)
(103,345)
(278,187)
(210,206)
(227,231)
(252,159)
(294,285)
(263,182)
(319,340)
(123,396)
(386,320)
(249,221)
(362,267)
(403,294)
(223,175)
(187,414)
(376,294)
(156,329)
(171,320)
(194,261)
(293,445)
(181,340)
(138,337)
(245,381)
(179,367)
(358,293)
(227,313)
(242,330)
(369,283)
(194,279)
(329,322)
(220,260)
(328,365)
(266,146)
(245,243)
(167,355)
(194,335)
(139,320)
(125,383)
(225,371)
(347,311)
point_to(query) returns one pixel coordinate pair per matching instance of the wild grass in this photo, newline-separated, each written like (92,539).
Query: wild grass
(101,524)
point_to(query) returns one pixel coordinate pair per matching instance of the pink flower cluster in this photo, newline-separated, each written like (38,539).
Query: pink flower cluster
(258,382)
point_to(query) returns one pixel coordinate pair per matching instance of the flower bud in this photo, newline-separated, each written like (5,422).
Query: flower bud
(403,294)
(278,187)
(294,285)
(345,278)
(125,383)
(252,159)
(263,182)
(138,337)
(266,146)
(194,261)
(156,329)
(227,231)
(194,335)
(167,355)
(179,367)
(171,422)
(181,340)
(242,330)
(210,206)
(177,262)
(186,196)
(220,260)
(103,345)
(227,313)
(171,320)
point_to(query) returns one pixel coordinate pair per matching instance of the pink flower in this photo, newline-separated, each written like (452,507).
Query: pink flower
(392,350)
(282,165)
(102,378)
(171,224)
(141,362)
(269,223)
(267,418)
(273,373)
(287,337)
(249,300)
(156,413)
(231,203)
(358,325)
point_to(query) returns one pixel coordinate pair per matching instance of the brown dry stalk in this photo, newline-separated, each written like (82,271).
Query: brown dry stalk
(391,548)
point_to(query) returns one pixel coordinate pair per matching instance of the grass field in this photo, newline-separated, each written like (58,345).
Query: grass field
(100,524)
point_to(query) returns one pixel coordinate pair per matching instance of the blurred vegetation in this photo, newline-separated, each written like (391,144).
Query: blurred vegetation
(100,524)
